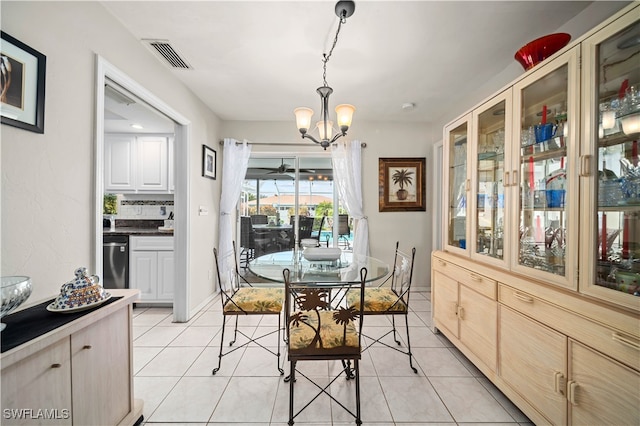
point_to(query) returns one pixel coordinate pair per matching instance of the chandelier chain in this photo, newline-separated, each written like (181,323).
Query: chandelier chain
(326,56)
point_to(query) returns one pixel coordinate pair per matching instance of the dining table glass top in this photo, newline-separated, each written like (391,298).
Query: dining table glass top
(345,268)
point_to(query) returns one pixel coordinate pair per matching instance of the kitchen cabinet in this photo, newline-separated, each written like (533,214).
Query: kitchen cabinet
(119,163)
(151,265)
(465,305)
(137,164)
(80,373)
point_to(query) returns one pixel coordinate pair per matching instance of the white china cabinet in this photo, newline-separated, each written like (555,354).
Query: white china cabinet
(538,282)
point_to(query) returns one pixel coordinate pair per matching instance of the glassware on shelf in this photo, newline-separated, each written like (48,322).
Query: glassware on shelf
(630,181)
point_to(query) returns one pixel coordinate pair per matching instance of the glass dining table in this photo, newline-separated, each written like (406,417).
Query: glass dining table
(345,268)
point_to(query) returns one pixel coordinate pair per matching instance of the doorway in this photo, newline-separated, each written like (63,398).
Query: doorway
(106,72)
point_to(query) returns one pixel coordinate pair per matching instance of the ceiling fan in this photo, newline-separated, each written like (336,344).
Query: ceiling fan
(285,169)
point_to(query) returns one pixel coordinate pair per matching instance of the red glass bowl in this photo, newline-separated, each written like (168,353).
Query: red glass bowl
(540,49)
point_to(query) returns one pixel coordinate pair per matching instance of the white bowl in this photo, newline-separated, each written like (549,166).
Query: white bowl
(322,253)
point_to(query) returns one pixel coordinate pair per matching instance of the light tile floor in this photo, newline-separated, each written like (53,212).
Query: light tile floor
(173,363)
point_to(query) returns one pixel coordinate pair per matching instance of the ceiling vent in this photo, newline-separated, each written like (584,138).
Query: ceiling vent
(168,53)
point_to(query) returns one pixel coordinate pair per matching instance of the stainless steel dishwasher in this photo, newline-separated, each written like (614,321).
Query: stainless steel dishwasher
(115,258)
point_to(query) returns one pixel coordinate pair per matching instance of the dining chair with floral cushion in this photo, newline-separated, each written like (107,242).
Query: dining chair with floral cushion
(322,326)
(239,298)
(391,298)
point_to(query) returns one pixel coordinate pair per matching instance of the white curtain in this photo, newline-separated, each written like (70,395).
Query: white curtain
(347,177)
(234,168)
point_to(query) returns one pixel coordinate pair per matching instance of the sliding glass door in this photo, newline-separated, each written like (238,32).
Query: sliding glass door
(279,190)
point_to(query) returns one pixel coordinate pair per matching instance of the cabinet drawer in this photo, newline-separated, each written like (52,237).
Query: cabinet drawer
(620,346)
(477,282)
(151,243)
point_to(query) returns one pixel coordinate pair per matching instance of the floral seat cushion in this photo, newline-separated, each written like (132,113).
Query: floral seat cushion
(323,332)
(379,299)
(256,301)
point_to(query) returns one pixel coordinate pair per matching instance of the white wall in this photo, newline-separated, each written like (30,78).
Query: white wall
(48,179)
(412,229)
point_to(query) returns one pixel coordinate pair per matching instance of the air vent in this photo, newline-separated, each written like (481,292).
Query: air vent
(168,53)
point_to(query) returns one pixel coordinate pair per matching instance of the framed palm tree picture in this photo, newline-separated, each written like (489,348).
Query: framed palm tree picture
(401,185)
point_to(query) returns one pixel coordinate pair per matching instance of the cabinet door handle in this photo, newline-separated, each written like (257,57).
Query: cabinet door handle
(505,179)
(442,262)
(626,341)
(514,175)
(467,185)
(572,386)
(86,347)
(475,277)
(460,312)
(56,365)
(560,383)
(522,297)
(585,165)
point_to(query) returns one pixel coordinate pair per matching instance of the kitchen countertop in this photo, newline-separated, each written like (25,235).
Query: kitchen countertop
(138,227)
(131,230)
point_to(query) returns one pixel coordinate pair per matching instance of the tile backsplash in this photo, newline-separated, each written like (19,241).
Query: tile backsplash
(144,206)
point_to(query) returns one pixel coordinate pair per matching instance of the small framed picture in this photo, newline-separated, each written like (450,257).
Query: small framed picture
(401,186)
(208,162)
(22,79)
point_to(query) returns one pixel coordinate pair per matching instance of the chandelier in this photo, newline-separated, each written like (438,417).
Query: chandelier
(344,112)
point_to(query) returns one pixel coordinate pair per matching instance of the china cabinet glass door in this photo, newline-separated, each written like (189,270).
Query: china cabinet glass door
(545,108)
(611,259)
(492,130)
(458,184)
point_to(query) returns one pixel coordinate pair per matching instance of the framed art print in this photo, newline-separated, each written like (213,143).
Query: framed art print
(401,185)
(208,162)
(22,80)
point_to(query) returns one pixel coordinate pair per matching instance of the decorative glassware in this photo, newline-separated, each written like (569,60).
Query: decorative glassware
(15,290)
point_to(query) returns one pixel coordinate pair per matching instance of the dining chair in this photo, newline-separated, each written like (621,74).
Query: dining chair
(240,298)
(321,326)
(391,298)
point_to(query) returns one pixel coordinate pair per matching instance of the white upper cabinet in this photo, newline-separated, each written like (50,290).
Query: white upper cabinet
(119,160)
(137,164)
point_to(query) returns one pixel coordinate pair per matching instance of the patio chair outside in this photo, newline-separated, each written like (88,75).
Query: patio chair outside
(391,298)
(252,244)
(321,327)
(344,231)
(241,299)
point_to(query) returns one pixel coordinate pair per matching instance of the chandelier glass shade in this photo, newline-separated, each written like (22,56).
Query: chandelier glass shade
(344,112)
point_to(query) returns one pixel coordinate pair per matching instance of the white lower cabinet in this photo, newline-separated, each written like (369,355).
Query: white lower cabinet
(151,268)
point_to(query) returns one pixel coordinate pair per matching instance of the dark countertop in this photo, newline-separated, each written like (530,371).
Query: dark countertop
(136,231)
(137,227)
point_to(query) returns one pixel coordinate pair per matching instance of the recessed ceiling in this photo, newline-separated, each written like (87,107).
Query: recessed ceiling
(259,60)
